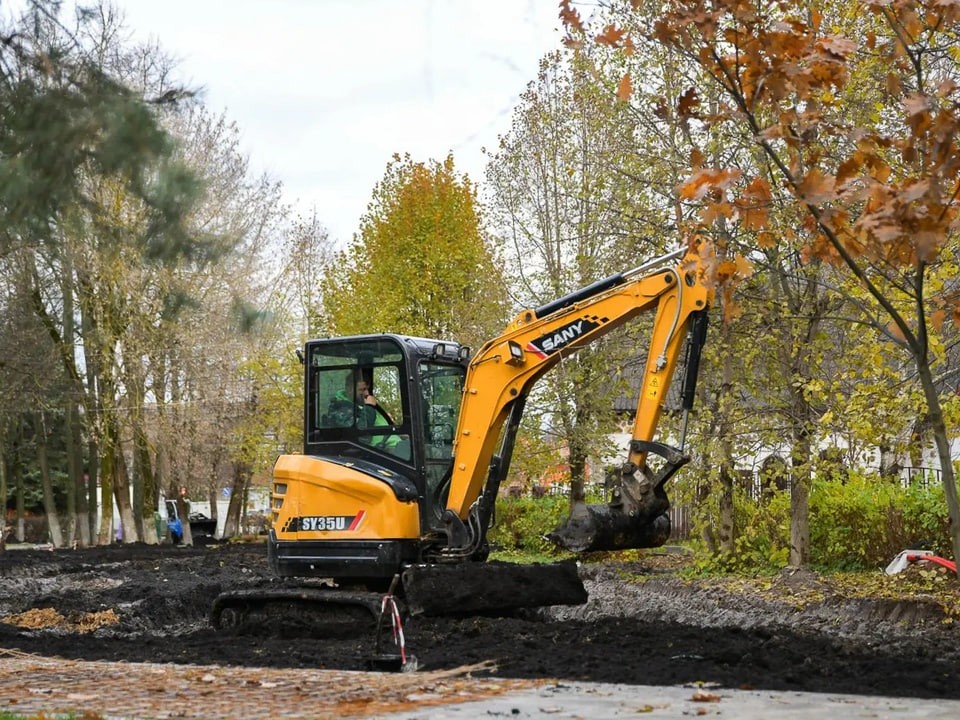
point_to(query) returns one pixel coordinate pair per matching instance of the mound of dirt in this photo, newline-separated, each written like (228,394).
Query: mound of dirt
(642,624)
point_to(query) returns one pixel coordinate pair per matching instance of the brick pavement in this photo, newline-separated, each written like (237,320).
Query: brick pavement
(31,684)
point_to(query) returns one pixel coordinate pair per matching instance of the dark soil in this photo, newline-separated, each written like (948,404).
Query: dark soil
(648,629)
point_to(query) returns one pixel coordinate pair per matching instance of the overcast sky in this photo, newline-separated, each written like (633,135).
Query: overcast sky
(325,91)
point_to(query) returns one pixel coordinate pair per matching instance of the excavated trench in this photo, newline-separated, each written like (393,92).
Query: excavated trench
(142,603)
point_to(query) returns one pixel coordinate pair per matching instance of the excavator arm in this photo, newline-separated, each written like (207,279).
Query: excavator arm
(503,371)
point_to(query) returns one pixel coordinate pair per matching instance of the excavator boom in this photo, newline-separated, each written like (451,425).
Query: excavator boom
(504,370)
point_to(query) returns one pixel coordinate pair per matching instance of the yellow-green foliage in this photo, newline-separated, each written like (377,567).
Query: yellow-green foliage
(858,523)
(866,521)
(522,523)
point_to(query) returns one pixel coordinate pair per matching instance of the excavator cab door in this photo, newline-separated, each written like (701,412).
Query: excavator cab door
(339,420)
(440,392)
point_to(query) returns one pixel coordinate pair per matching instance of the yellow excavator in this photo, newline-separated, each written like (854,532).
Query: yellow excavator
(398,492)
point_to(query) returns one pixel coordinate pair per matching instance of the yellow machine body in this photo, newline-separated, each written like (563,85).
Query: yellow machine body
(316,500)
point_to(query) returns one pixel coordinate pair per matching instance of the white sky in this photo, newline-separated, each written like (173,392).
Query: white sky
(325,91)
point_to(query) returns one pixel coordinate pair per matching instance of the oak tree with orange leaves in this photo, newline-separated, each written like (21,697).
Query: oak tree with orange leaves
(878,191)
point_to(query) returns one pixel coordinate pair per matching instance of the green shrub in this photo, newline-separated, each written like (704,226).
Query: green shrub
(866,521)
(762,543)
(857,523)
(522,523)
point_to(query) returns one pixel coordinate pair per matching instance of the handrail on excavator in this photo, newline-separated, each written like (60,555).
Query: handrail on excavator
(657,261)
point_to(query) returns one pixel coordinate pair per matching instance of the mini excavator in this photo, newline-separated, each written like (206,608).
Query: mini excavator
(398,494)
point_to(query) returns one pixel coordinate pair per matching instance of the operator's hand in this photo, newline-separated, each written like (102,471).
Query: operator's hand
(369,400)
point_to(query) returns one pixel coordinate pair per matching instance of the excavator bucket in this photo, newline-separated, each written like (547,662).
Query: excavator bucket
(594,528)
(635,517)
(490,588)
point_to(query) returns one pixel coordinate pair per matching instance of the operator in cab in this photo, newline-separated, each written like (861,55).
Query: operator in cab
(370,413)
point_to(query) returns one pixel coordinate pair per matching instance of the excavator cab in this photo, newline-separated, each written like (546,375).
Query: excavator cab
(379,419)
(408,428)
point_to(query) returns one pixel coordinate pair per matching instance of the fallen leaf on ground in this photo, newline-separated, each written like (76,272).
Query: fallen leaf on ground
(701,696)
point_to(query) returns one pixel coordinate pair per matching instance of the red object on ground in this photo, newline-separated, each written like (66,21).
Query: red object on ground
(948,564)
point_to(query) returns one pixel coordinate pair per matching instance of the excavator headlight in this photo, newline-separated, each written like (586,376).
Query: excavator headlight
(516,353)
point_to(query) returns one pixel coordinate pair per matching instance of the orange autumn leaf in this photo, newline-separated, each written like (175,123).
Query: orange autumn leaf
(816,17)
(612,36)
(715,211)
(896,332)
(731,308)
(894,84)
(916,104)
(758,190)
(836,45)
(766,240)
(753,218)
(937,318)
(570,16)
(726,269)
(947,87)
(702,182)
(848,169)
(625,88)
(752,206)
(689,102)
(817,188)
(704,696)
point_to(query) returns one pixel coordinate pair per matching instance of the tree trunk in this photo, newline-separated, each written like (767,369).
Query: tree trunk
(577,452)
(149,500)
(183,512)
(121,491)
(213,497)
(105,534)
(4,528)
(800,499)
(78,530)
(21,530)
(81,525)
(49,505)
(577,461)
(92,474)
(145,490)
(148,495)
(73,472)
(241,477)
(942,440)
(101,508)
(728,531)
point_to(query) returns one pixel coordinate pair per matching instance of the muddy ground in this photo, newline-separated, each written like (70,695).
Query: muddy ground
(643,625)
